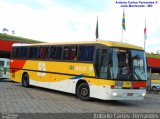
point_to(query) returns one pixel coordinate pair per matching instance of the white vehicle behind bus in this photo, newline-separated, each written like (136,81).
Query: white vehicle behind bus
(4,68)
(155,81)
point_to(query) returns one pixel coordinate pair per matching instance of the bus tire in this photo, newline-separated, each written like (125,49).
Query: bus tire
(25,80)
(83,91)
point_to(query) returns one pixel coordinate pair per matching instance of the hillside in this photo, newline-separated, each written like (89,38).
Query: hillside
(17,39)
(153,55)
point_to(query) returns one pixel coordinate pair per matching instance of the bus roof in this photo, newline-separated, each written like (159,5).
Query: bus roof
(4,59)
(107,43)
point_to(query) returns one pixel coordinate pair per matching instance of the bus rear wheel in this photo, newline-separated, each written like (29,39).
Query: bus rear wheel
(83,91)
(25,80)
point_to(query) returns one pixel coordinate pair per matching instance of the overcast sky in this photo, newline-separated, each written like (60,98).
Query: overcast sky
(75,20)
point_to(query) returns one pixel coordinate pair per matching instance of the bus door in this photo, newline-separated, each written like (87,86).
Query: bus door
(101,70)
(101,63)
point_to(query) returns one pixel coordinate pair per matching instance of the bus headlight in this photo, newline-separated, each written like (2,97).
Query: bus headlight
(114,94)
(143,94)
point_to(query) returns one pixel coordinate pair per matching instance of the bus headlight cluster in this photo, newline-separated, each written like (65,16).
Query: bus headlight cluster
(114,94)
(143,94)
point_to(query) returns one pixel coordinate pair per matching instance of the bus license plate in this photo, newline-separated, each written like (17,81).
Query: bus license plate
(127,84)
(129,94)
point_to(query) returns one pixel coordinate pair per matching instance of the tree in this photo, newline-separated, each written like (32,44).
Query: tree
(5,30)
(13,32)
(158,52)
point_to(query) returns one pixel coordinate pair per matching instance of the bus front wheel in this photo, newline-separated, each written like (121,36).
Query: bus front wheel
(154,88)
(83,91)
(25,80)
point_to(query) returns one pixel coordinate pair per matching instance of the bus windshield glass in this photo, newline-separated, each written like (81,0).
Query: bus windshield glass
(127,64)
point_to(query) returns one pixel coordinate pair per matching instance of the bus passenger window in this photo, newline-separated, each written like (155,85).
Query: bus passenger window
(70,53)
(23,52)
(58,52)
(73,53)
(47,52)
(90,50)
(53,52)
(43,52)
(14,52)
(66,53)
(17,53)
(86,53)
(82,53)
(33,51)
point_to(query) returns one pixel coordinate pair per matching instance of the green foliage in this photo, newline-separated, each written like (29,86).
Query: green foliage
(18,39)
(152,55)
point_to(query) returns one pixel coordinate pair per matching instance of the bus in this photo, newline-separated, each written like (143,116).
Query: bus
(106,70)
(4,68)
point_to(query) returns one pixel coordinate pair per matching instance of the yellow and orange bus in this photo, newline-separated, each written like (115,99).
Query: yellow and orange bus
(105,70)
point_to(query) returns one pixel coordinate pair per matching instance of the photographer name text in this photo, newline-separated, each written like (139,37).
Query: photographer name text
(136,3)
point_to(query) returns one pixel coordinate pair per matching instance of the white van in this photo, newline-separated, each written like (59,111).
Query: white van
(155,81)
(4,68)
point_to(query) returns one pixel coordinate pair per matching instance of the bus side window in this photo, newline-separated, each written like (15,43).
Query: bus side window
(66,53)
(90,50)
(58,53)
(13,52)
(25,55)
(23,52)
(82,53)
(86,53)
(43,52)
(33,51)
(73,53)
(53,52)
(70,53)
(17,53)
(47,52)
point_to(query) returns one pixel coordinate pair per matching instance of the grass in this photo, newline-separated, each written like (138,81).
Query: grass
(18,39)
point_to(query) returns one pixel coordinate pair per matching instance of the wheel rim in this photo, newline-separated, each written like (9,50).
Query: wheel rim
(84,92)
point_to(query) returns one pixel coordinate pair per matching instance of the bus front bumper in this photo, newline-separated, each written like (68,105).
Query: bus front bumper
(126,94)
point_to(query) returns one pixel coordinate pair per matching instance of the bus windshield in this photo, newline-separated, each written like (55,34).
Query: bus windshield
(127,64)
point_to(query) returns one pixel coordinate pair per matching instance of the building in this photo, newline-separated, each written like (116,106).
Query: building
(153,62)
(6,42)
